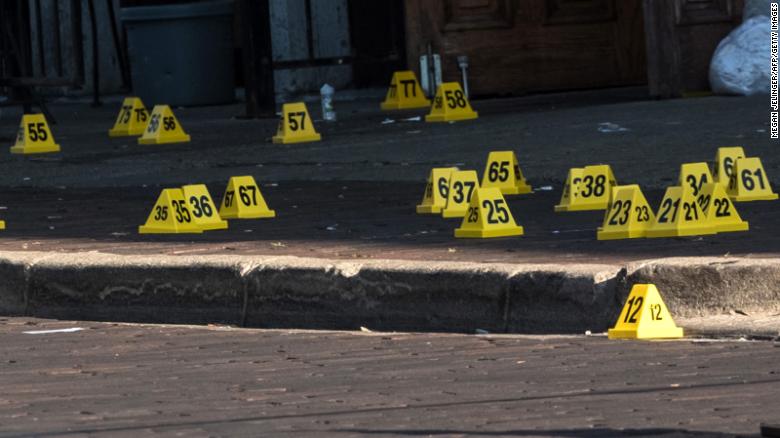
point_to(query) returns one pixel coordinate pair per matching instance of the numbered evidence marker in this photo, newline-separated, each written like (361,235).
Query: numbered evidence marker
(571,189)
(719,209)
(724,163)
(131,120)
(628,215)
(695,175)
(435,196)
(34,136)
(295,126)
(450,104)
(503,172)
(749,182)
(404,92)
(170,215)
(488,215)
(243,200)
(680,215)
(204,212)
(589,189)
(463,184)
(163,128)
(645,316)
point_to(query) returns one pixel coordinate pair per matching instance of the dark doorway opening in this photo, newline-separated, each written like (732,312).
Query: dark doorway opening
(378,41)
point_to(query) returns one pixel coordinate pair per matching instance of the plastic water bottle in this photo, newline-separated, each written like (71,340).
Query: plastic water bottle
(326,97)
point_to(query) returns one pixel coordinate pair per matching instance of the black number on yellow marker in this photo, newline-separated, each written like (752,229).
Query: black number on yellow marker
(633,301)
(497,212)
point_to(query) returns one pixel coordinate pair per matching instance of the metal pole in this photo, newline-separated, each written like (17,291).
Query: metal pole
(431,73)
(258,58)
(95,56)
(463,64)
(120,53)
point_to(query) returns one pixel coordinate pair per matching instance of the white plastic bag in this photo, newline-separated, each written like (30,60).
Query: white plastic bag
(740,64)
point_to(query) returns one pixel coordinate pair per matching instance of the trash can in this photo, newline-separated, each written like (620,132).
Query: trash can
(181,54)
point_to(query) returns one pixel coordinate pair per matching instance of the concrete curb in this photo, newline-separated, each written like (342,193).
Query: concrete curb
(702,286)
(292,292)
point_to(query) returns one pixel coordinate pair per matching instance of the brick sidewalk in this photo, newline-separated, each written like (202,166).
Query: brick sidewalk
(138,380)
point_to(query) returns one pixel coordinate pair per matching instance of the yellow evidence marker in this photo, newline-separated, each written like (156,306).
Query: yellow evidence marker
(163,128)
(503,172)
(2,225)
(295,126)
(34,136)
(463,184)
(243,200)
(645,316)
(435,196)
(170,215)
(488,215)
(570,189)
(204,212)
(628,215)
(749,182)
(680,215)
(724,163)
(719,209)
(695,175)
(450,104)
(131,120)
(404,92)
(591,192)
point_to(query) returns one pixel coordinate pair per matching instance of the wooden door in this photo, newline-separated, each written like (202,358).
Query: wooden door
(681,38)
(520,46)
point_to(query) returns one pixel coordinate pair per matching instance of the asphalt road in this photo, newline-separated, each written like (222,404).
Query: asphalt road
(355,220)
(145,380)
(645,142)
(352,195)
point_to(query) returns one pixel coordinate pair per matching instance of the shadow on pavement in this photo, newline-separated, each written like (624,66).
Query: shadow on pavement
(354,219)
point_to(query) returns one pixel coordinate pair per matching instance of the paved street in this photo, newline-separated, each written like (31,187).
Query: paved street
(646,143)
(355,220)
(146,380)
(352,195)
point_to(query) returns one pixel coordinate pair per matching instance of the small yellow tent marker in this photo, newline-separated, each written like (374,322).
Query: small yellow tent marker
(749,182)
(503,171)
(592,191)
(680,215)
(645,316)
(131,120)
(204,212)
(450,104)
(404,92)
(719,209)
(628,215)
(243,200)
(295,126)
(724,163)
(570,189)
(463,184)
(2,225)
(163,128)
(488,215)
(435,196)
(695,175)
(34,136)
(170,215)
